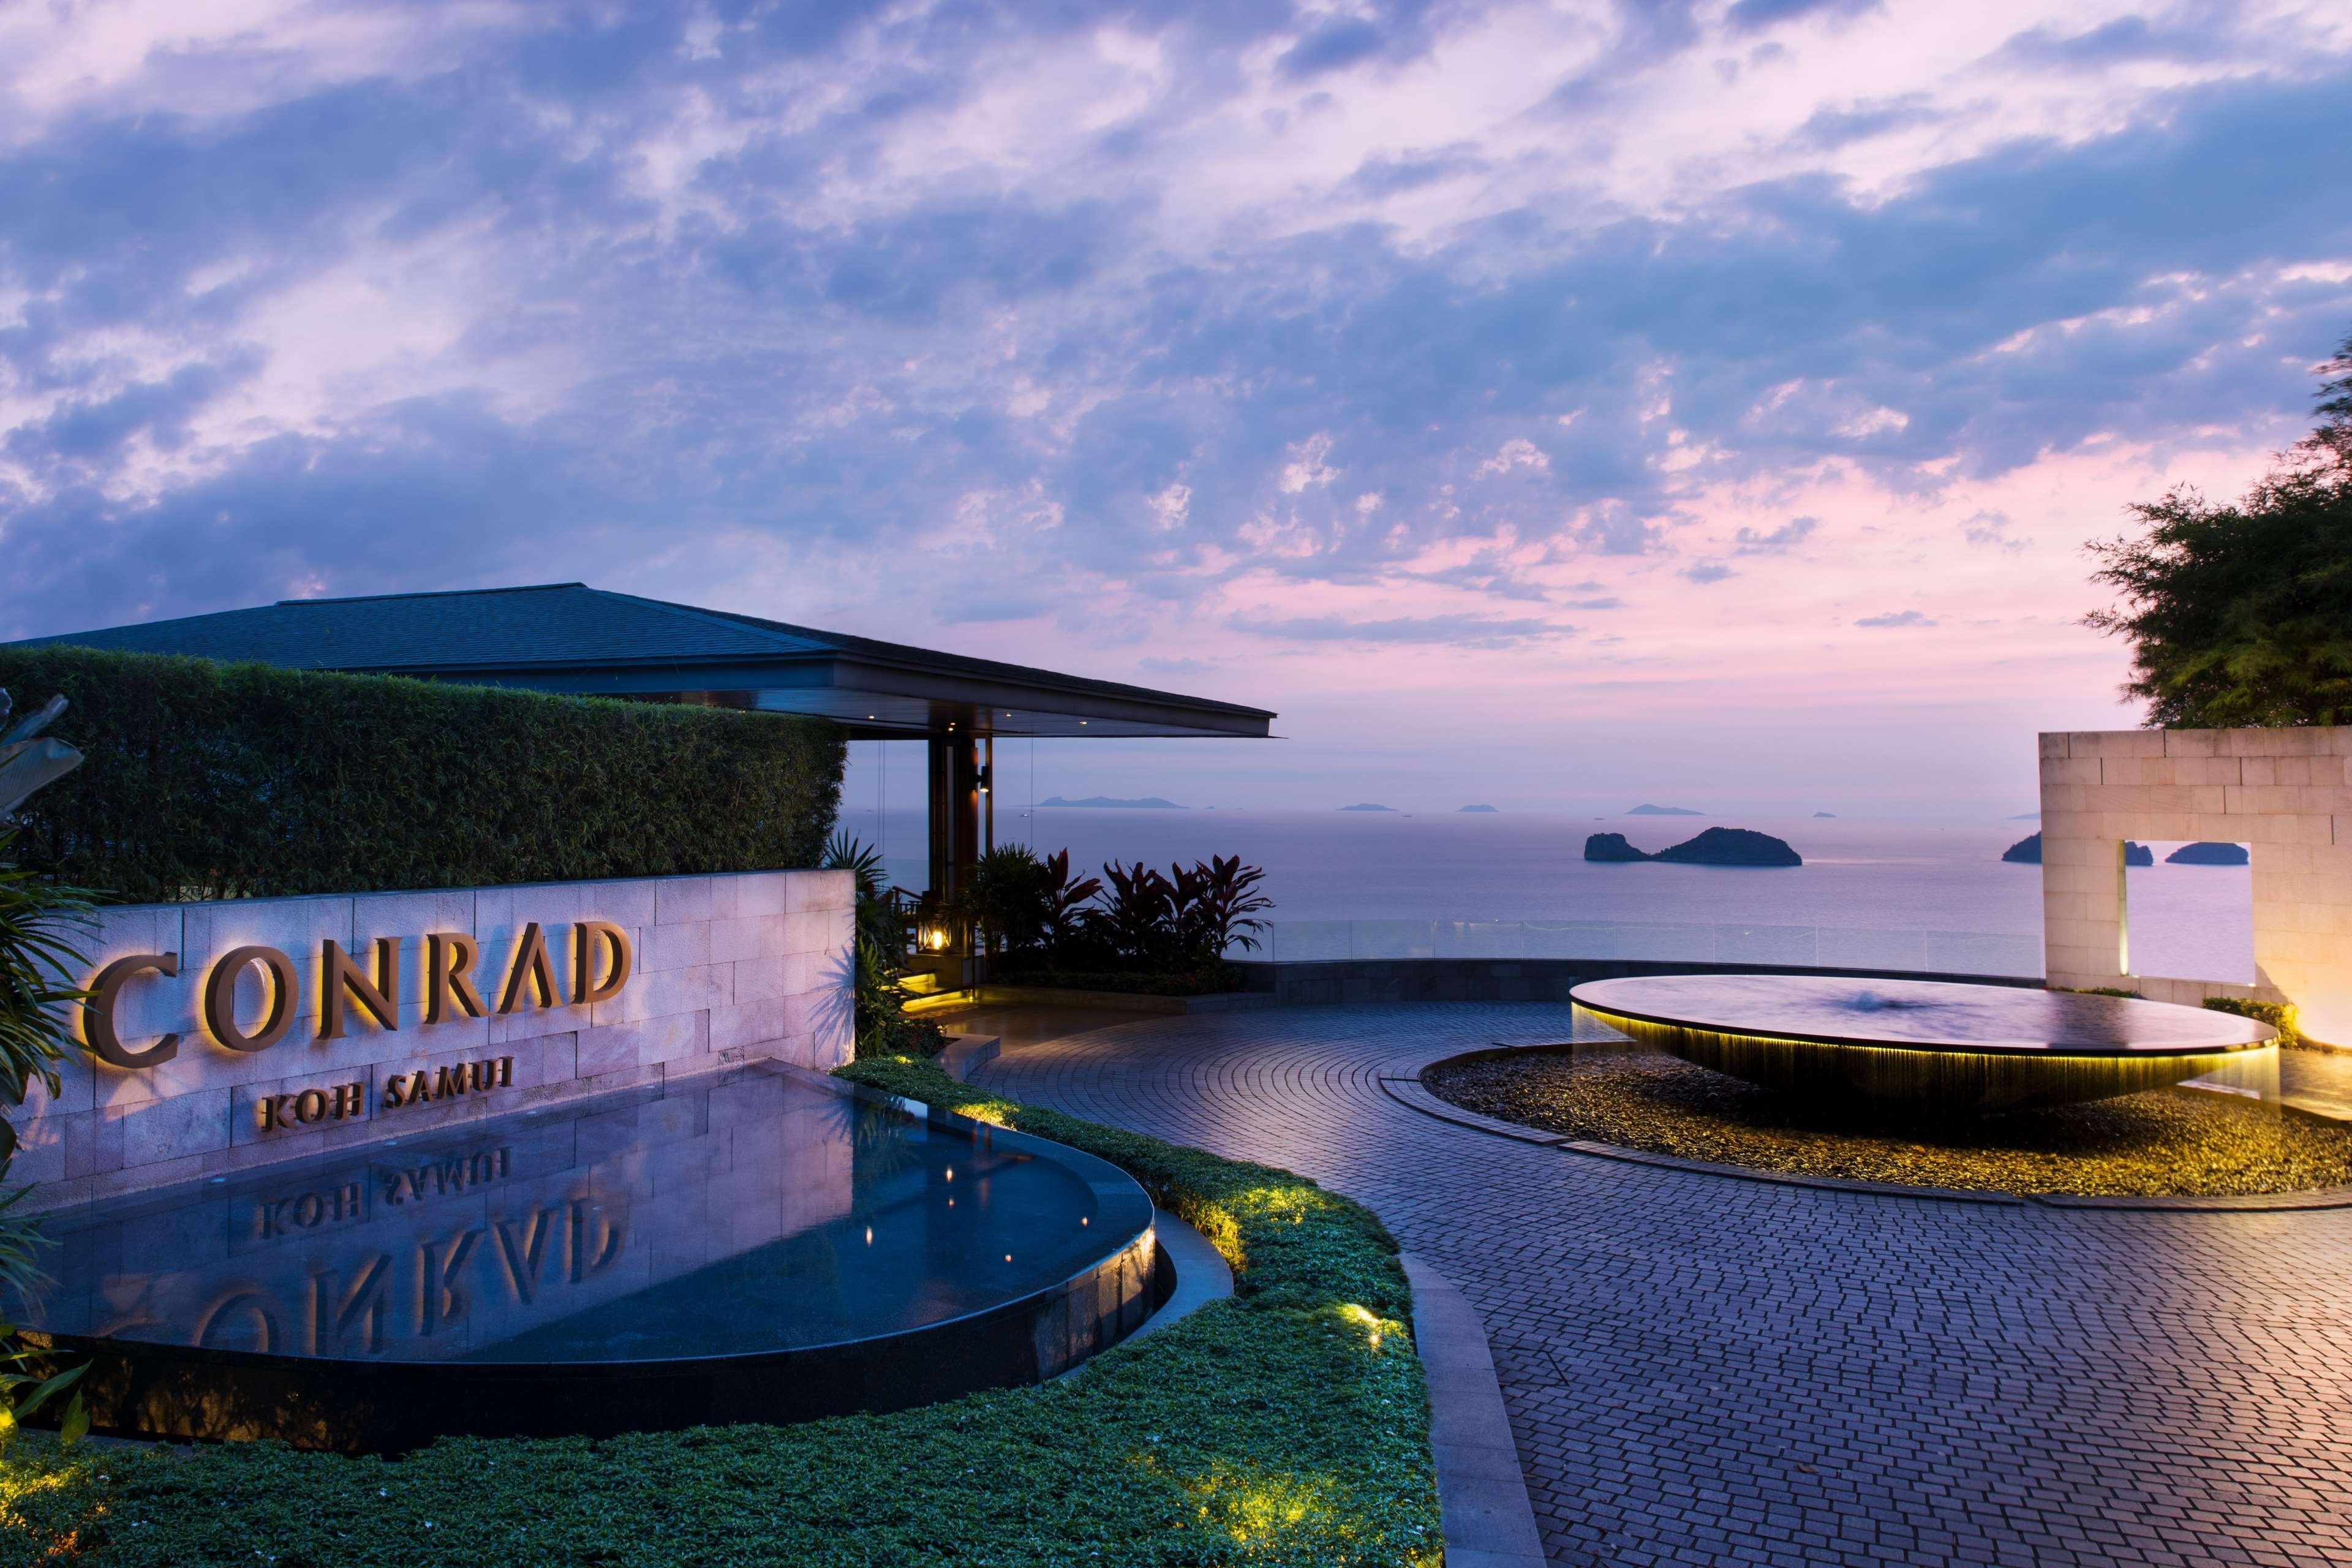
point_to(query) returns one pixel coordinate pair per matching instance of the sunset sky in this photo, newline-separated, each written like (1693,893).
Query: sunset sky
(1553,405)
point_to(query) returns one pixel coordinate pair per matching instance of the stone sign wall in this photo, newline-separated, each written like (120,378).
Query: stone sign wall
(2281,793)
(348,1019)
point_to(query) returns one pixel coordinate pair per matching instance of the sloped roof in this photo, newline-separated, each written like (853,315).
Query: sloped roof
(568,637)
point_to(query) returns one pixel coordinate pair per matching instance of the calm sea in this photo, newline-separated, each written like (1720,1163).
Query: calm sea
(1860,875)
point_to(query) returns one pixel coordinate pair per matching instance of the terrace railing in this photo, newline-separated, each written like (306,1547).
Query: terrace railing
(1812,947)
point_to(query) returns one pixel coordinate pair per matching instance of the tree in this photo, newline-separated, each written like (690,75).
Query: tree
(2240,614)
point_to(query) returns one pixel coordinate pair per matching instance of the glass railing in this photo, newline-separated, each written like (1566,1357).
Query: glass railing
(1811,947)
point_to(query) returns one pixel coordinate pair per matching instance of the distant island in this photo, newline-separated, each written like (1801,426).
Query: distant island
(1663,811)
(2208,854)
(1716,846)
(1366,805)
(1149,803)
(1829,815)
(2027,817)
(2027,852)
(1479,808)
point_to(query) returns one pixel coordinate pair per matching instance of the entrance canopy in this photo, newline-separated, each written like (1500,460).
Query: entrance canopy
(569,637)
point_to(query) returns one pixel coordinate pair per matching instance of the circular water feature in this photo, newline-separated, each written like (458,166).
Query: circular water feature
(755,1245)
(1929,1045)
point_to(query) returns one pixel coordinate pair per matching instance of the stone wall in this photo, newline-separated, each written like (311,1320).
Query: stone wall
(2282,792)
(724,969)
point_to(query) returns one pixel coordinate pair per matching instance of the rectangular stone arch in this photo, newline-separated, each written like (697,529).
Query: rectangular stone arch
(2283,793)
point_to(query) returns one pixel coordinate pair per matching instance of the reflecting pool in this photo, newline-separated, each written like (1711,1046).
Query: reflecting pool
(752,1215)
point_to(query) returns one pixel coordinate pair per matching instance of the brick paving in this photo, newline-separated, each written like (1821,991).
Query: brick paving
(1701,1370)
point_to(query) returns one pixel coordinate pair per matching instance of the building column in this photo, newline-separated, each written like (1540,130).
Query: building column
(955,813)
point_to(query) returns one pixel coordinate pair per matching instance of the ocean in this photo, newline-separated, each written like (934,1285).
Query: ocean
(1880,891)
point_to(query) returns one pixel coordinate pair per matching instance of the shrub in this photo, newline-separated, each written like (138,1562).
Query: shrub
(207,780)
(1286,1425)
(2279,1016)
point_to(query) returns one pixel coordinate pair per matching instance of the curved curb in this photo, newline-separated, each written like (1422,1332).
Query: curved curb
(1415,1094)
(1482,1492)
(1203,1274)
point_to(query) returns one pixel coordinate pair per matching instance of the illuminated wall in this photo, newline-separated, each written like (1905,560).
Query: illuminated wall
(2282,792)
(720,969)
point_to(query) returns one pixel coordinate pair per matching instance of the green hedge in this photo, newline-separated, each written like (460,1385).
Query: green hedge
(207,780)
(1286,1425)
(2279,1016)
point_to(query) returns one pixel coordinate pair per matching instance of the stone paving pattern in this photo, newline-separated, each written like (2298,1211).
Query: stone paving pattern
(1705,1370)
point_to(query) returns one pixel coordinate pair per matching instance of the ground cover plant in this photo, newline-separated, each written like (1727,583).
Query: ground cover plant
(204,779)
(2164,1141)
(1286,1425)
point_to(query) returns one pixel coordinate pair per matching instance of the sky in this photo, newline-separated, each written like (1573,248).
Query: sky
(1555,405)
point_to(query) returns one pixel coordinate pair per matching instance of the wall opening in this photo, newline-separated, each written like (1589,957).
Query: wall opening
(2188,910)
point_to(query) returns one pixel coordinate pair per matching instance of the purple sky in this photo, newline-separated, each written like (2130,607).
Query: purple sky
(1552,405)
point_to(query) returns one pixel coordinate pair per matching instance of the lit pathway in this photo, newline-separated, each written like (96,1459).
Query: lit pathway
(1712,1371)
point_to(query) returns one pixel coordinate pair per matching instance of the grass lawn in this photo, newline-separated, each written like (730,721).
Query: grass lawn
(1289,1425)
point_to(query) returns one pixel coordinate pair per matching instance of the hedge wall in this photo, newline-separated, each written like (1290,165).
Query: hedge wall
(207,780)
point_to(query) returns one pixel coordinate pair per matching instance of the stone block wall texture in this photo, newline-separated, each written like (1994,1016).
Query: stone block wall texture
(726,969)
(2282,792)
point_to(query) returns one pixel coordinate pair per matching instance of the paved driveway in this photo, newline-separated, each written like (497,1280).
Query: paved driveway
(1702,1370)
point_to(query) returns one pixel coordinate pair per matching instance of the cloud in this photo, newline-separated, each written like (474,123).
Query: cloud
(1460,631)
(1749,15)
(1062,333)
(1332,47)
(1896,618)
(1749,541)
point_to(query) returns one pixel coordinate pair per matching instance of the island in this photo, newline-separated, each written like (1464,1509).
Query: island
(2027,852)
(2027,817)
(1095,801)
(1366,805)
(1829,816)
(2207,852)
(1646,810)
(1716,846)
(1485,808)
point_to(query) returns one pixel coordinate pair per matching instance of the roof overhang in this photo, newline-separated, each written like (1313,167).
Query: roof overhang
(878,702)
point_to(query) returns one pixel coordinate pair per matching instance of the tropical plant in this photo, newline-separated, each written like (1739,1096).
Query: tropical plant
(2241,614)
(1005,902)
(1222,912)
(1066,898)
(1137,917)
(38,955)
(878,991)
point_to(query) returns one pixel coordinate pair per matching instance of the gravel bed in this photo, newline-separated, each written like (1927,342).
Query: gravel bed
(2169,1142)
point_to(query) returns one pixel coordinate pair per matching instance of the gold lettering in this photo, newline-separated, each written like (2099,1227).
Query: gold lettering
(451,958)
(220,998)
(340,978)
(98,1015)
(395,1090)
(532,966)
(585,937)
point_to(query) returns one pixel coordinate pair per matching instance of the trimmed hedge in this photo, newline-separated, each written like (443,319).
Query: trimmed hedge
(1286,1425)
(206,779)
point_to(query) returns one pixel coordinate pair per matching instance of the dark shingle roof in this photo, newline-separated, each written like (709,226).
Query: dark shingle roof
(569,636)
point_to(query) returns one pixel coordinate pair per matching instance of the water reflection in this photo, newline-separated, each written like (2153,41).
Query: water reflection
(744,1214)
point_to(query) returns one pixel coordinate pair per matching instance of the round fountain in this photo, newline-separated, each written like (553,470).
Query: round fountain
(756,1245)
(1927,1046)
